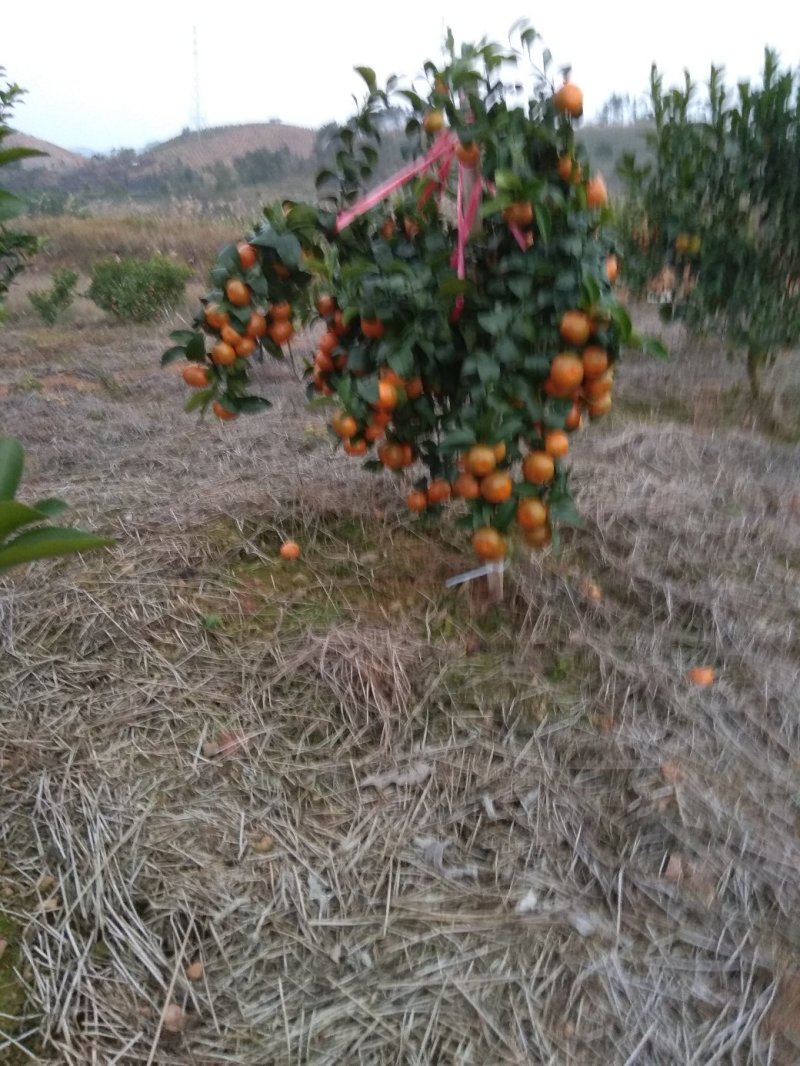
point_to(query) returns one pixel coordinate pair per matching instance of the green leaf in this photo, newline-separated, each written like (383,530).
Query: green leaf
(12,460)
(171,355)
(51,506)
(367,388)
(251,405)
(15,515)
(651,346)
(504,515)
(182,336)
(46,543)
(10,205)
(201,398)
(368,74)
(196,348)
(543,221)
(537,365)
(562,511)
(487,367)
(457,439)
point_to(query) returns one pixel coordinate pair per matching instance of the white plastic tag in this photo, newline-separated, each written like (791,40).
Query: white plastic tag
(472,575)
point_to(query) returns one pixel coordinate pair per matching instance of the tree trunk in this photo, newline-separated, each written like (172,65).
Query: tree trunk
(755,364)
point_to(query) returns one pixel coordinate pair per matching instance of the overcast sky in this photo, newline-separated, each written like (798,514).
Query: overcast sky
(105,75)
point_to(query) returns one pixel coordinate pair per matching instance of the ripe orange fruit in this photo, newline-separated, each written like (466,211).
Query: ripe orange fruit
(323,362)
(595,361)
(290,549)
(575,327)
(230,335)
(372,328)
(539,537)
(596,192)
(531,513)
(489,544)
(281,331)
(538,468)
(381,418)
(569,169)
(701,675)
(196,376)
(387,374)
(496,487)
(481,460)
(339,327)
(556,443)
(596,388)
(215,316)
(566,372)
(244,347)
(280,311)
(344,425)
(573,419)
(433,120)
(320,384)
(280,270)
(222,412)
(612,268)
(223,354)
(600,407)
(237,292)
(248,256)
(438,491)
(357,446)
(328,341)
(387,396)
(519,214)
(326,305)
(414,388)
(388,229)
(256,326)
(411,229)
(499,450)
(373,432)
(417,501)
(569,100)
(468,154)
(392,455)
(466,487)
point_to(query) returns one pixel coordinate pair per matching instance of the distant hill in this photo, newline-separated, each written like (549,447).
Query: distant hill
(202,149)
(57,160)
(220,160)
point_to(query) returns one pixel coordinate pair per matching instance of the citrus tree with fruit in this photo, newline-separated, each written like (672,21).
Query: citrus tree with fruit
(470,322)
(718,202)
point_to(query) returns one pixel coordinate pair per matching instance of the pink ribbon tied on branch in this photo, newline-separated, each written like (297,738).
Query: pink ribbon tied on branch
(442,151)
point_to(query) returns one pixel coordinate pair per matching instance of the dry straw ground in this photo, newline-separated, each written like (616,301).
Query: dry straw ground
(430,836)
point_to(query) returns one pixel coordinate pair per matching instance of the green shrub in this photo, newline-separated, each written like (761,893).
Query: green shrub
(50,303)
(138,290)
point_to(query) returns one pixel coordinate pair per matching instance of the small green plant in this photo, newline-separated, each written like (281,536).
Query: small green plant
(51,303)
(138,290)
(25,532)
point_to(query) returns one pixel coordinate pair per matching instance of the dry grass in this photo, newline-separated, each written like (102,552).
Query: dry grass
(514,838)
(80,242)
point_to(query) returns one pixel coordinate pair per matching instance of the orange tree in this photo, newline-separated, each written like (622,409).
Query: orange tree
(719,202)
(470,320)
